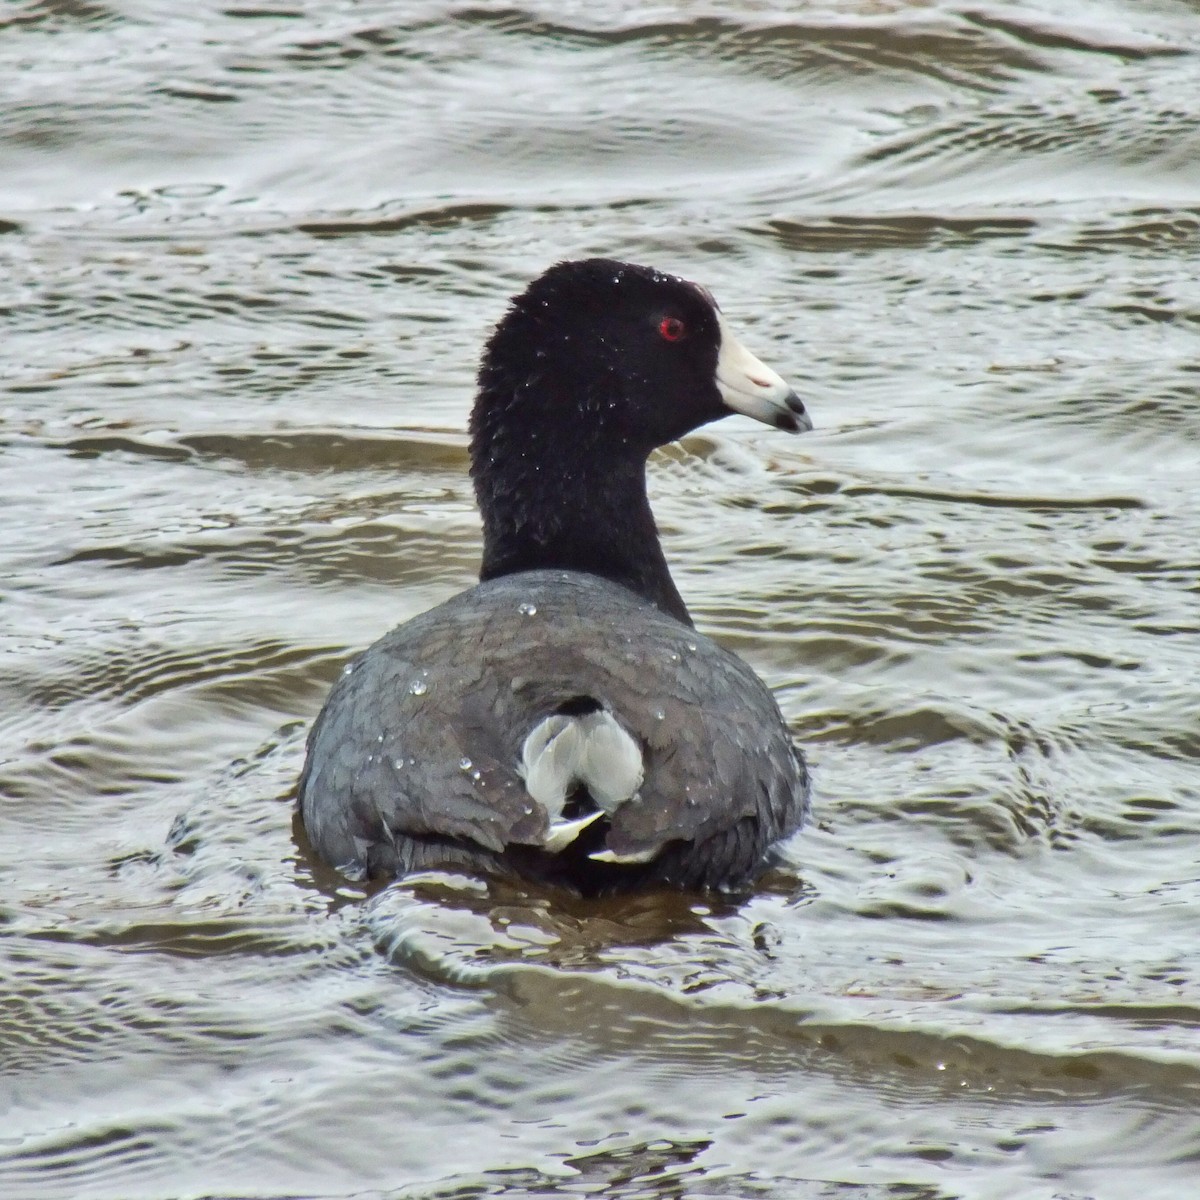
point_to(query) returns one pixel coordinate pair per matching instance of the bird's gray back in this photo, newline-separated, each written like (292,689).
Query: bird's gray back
(422,735)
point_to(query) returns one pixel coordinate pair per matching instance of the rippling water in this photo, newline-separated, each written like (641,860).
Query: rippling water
(249,254)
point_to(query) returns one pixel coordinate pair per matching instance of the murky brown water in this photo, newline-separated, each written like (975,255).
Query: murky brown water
(248,256)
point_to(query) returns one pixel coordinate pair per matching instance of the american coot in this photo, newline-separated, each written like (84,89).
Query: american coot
(563,720)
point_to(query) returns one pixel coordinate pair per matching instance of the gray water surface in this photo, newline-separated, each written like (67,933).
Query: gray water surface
(248,253)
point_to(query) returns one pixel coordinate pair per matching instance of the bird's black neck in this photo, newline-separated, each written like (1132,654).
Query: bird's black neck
(570,507)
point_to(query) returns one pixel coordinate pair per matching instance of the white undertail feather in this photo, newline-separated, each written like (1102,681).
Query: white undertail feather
(562,833)
(592,751)
(611,856)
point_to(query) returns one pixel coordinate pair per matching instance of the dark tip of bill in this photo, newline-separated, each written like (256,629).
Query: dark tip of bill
(796,421)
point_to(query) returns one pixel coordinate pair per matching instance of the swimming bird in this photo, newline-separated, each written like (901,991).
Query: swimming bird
(563,720)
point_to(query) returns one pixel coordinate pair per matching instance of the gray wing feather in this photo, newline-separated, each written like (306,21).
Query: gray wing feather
(421,736)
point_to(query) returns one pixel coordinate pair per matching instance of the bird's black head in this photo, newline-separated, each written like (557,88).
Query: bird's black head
(606,354)
(593,365)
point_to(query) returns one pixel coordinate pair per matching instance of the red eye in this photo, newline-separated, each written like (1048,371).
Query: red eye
(671,329)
